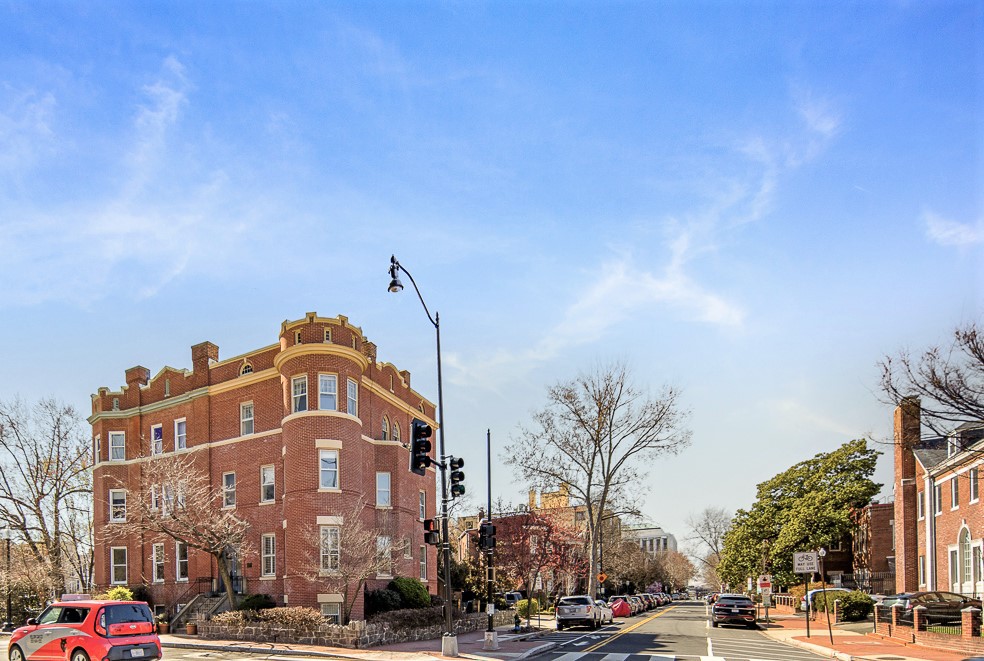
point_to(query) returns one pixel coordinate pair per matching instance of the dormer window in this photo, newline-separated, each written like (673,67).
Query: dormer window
(245,369)
(953,446)
(297,337)
(116,403)
(328,336)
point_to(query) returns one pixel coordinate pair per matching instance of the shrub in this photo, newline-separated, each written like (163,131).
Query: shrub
(409,618)
(856,606)
(119,593)
(292,617)
(381,601)
(527,607)
(256,602)
(237,619)
(413,593)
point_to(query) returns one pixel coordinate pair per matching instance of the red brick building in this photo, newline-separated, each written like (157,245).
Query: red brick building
(874,548)
(294,435)
(939,519)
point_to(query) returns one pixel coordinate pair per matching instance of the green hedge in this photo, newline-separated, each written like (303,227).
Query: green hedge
(413,593)
(855,605)
(527,607)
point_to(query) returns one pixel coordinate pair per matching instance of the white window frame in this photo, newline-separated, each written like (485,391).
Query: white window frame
(384,489)
(938,498)
(157,444)
(396,432)
(228,491)
(298,394)
(423,562)
(954,493)
(268,555)
(385,429)
(114,565)
(114,508)
(327,392)
(921,505)
(98,453)
(922,570)
(422,508)
(180,437)
(247,421)
(180,548)
(157,562)
(271,483)
(352,405)
(975,493)
(384,550)
(327,336)
(155,498)
(117,446)
(323,472)
(330,548)
(332,611)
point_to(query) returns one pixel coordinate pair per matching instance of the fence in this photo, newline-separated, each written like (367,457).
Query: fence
(917,626)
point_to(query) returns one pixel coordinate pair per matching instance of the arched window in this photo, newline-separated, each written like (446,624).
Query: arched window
(245,369)
(386,425)
(965,562)
(396,431)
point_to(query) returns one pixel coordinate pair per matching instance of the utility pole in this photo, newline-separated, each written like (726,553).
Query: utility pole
(491,640)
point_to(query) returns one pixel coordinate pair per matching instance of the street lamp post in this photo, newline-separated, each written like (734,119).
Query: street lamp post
(823,586)
(449,642)
(8,625)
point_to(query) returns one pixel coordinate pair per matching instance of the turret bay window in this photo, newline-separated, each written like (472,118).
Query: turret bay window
(298,390)
(157,439)
(386,426)
(180,434)
(117,505)
(396,431)
(353,397)
(117,446)
(330,551)
(327,392)
(383,494)
(329,469)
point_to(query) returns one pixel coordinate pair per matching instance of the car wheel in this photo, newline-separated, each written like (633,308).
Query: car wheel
(16,654)
(752,625)
(80,655)
(560,626)
(596,624)
(714,624)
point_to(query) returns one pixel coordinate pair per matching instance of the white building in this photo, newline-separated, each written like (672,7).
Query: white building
(650,538)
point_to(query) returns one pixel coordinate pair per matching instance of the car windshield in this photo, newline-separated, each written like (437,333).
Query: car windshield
(575,601)
(124,613)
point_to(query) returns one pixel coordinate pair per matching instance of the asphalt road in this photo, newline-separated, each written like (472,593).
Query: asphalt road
(679,631)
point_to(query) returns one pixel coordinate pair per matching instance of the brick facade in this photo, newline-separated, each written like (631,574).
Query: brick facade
(206,404)
(939,529)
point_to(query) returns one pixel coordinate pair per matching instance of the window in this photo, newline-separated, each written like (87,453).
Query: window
(167,387)
(228,489)
(384,552)
(182,488)
(396,431)
(976,564)
(116,403)
(181,557)
(331,612)
(297,337)
(245,369)
(180,434)
(954,492)
(117,446)
(155,499)
(117,505)
(329,469)
(117,561)
(269,556)
(157,439)
(353,397)
(329,548)
(922,570)
(246,419)
(327,392)
(98,452)
(965,569)
(971,477)
(938,499)
(891,528)
(921,504)
(168,494)
(158,555)
(267,492)
(953,566)
(386,428)
(423,563)
(383,490)
(328,335)
(298,389)
(422,509)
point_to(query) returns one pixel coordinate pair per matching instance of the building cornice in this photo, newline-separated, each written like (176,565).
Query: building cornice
(399,403)
(323,348)
(243,381)
(183,398)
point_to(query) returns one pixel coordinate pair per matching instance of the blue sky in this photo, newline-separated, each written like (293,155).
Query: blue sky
(751,201)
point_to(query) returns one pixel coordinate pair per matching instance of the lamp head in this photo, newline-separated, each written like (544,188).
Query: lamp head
(822,552)
(395,286)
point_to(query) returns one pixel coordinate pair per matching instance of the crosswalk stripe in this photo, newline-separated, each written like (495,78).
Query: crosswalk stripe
(615,657)
(570,656)
(659,657)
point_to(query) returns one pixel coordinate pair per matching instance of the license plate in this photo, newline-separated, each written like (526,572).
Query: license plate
(734,610)
(136,652)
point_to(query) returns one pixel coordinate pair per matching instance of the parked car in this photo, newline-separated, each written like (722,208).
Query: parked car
(812,596)
(620,607)
(941,607)
(605,613)
(577,609)
(84,630)
(733,609)
(637,602)
(512,598)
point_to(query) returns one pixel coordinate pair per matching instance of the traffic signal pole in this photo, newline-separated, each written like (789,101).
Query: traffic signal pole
(491,641)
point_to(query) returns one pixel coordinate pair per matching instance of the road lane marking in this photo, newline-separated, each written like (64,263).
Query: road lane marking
(627,630)
(570,656)
(615,657)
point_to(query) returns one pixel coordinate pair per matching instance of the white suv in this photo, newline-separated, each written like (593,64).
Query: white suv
(577,609)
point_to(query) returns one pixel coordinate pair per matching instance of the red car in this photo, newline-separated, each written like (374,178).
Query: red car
(88,631)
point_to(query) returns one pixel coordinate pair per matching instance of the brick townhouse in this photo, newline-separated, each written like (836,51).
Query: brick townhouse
(939,519)
(294,435)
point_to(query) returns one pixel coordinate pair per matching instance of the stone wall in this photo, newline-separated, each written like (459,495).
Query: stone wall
(357,634)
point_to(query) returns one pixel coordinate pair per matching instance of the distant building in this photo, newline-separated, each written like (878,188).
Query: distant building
(874,548)
(651,539)
(295,434)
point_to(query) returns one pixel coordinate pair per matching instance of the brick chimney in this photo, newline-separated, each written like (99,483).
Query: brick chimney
(907,431)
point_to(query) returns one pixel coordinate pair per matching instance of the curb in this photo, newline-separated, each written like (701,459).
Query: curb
(271,651)
(820,650)
(542,649)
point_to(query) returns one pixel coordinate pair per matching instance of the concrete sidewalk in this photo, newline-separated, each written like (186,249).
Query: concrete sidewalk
(849,644)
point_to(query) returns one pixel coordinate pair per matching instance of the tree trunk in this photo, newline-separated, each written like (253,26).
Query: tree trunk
(225,578)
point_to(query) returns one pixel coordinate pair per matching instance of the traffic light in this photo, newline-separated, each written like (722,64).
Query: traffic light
(486,536)
(431,536)
(420,446)
(457,477)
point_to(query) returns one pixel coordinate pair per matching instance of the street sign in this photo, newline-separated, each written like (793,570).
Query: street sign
(805,563)
(602,577)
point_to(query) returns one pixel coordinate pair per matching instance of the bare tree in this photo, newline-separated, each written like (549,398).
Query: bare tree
(707,530)
(949,380)
(592,437)
(342,557)
(675,569)
(175,498)
(45,458)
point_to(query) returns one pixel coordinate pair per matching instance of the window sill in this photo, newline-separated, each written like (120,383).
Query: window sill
(974,501)
(384,507)
(267,578)
(954,509)
(329,490)
(267,502)
(228,507)
(181,580)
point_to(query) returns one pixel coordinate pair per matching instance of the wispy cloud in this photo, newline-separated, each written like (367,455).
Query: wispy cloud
(25,128)
(948,232)
(799,415)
